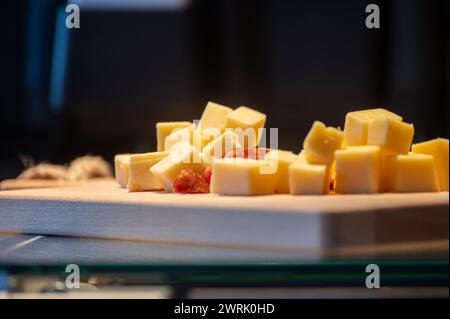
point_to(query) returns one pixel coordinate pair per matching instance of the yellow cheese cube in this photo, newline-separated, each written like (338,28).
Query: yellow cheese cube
(307,179)
(185,135)
(301,157)
(241,176)
(247,124)
(182,156)
(385,174)
(122,169)
(141,179)
(391,135)
(208,135)
(331,172)
(223,144)
(212,122)
(321,142)
(410,173)
(357,124)
(358,170)
(438,148)
(214,116)
(281,161)
(164,129)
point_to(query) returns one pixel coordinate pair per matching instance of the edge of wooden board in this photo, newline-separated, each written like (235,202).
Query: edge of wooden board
(101,208)
(106,191)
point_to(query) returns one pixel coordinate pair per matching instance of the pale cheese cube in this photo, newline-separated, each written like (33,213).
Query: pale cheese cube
(390,135)
(321,143)
(281,160)
(141,179)
(247,124)
(208,135)
(357,124)
(182,156)
(438,148)
(122,169)
(214,117)
(185,135)
(358,170)
(164,129)
(307,179)
(301,157)
(410,173)
(241,176)
(220,146)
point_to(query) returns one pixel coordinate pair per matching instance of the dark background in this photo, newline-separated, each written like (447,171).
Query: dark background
(100,89)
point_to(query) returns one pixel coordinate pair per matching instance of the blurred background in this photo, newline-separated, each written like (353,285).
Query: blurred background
(101,88)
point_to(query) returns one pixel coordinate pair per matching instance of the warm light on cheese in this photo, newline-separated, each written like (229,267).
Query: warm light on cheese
(438,148)
(223,144)
(214,116)
(321,143)
(391,135)
(357,124)
(182,156)
(371,155)
(307,179)
(241,176)
(410,173)
(247,124)
(358,170)
(185,135)
(208,135)
(141,179)
(331,183)
(384,173)
(164,129)
(281,160)
(122,169)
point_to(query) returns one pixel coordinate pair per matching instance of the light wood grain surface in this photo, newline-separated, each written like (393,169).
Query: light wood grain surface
(108,191)
(100,209)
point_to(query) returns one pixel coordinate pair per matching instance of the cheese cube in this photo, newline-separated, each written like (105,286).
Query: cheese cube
(247,125)
(164,129)
(208,135)
(391,135)
(122,169)
(307,179)
(321,142)
(411,173)
(185,135)
(358,170)
(385,174)
(301,157)
(241,176)
(223,144)
(141,179)
(438,148)
(331,183)
(182,156)
(214,116)
(357,124)
(281,161)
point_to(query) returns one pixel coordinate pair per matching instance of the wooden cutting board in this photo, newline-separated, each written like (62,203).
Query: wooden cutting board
(101,209)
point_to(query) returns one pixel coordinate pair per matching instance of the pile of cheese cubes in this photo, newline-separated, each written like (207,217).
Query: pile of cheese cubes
(190,146)
(373,154)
